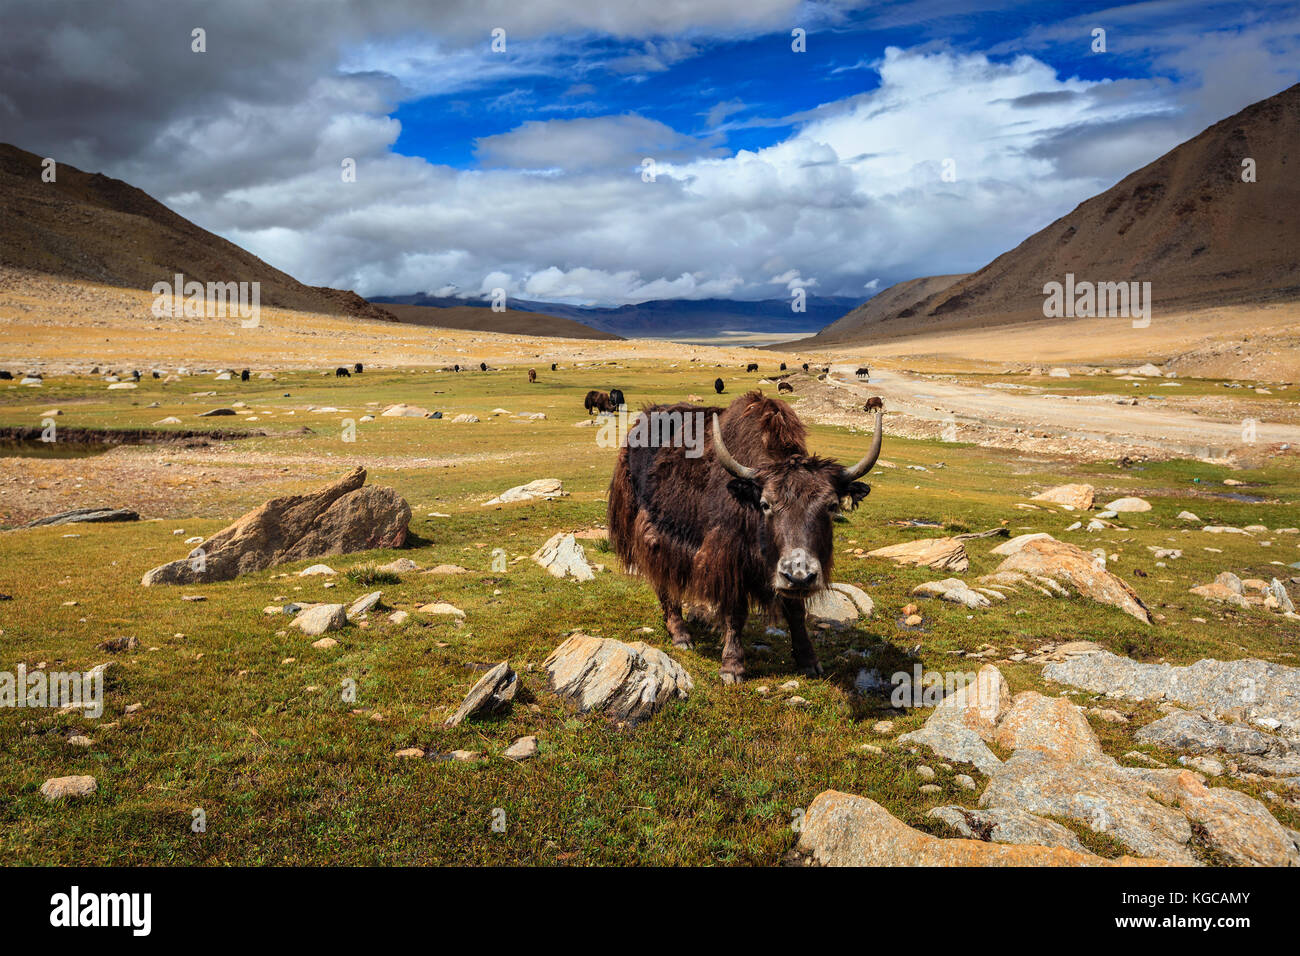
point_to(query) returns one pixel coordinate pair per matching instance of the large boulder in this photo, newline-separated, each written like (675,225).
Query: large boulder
(841,829)
(622,681)
(339,519)
(1077,497)
(1048,561)
(943,554)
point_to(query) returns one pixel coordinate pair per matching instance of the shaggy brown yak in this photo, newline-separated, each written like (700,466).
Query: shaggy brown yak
(532,375)
(598,401)
(746,520)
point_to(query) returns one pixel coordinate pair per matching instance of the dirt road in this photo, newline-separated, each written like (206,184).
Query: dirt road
(1094,417)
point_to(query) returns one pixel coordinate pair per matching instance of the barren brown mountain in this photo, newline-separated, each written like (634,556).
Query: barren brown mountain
(89,226)
(1187,223)
(898,301)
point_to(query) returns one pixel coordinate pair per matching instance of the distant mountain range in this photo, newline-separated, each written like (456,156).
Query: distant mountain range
(1189,223)
(667,318)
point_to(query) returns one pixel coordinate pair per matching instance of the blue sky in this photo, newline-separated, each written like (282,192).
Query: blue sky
(912,138)
(741,93)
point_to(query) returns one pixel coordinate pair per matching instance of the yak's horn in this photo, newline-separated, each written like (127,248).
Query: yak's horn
(864,466)
(724,456)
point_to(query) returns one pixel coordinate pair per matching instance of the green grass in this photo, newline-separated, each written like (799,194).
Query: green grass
(290,774)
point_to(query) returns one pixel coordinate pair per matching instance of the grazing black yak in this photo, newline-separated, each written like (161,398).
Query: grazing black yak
(718,385)
(341,372)
(746,522)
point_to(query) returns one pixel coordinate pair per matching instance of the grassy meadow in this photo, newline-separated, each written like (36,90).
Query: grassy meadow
(244,719)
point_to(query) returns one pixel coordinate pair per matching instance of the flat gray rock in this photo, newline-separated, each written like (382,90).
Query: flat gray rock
(1192,732)
(1247,690)
(622,681)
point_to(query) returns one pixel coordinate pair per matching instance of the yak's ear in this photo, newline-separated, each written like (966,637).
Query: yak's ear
(853,493)
(746,491)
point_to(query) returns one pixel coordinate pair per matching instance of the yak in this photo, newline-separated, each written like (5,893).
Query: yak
(532,375)
(552,366)
(783,366)
(751,367)
(341,372)
(243,375)
(805,366)
(6,376)
(358,368)
(748,521)
(616,398)
(784,387)
(863,372)
(874,404)
(482,366)
(718,385)
(598,401)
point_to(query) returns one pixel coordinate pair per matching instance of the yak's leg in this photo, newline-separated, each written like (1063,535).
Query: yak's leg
(673,621)
(805,656)
(733,652)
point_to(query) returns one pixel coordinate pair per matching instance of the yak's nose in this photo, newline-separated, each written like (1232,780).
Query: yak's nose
(799,568)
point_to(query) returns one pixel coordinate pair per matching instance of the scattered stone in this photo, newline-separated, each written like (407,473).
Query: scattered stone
(627,682)
(562,557)
(410,752)
(1206,765)
(364,604)
(325,643)
(492,694)
(398,566)
(521,749)
(447,569)
(398,617)
(441,607)
(952,589)
(541,489)
(321,619)
(402,410)
(1129,504)
(57,788)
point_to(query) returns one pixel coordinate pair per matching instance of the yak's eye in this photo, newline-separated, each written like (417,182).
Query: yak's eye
(765,505)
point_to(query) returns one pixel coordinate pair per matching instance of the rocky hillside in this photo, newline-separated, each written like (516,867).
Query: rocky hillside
(1187,223)
(89,226)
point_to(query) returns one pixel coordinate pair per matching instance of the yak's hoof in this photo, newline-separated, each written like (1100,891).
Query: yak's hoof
(683,645)
(813,670)
(730,678)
